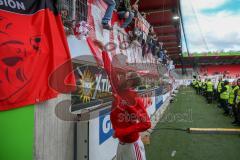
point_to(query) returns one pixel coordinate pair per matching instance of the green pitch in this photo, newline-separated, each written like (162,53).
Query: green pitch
(209,54)
(170,141)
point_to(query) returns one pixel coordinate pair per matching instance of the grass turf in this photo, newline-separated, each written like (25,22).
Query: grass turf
(191,110)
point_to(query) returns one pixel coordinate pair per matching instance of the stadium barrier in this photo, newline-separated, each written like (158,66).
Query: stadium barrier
(94,137)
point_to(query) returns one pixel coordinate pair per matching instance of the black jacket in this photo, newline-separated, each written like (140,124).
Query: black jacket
(123,5)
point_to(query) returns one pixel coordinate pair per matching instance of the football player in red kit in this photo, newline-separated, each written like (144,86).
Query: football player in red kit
(128,114)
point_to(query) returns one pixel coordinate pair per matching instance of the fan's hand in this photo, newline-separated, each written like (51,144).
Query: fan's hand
(99,44)
(135,7)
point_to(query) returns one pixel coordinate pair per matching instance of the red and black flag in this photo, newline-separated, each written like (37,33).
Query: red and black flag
(32,46)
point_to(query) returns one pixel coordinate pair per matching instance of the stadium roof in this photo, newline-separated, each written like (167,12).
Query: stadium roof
(160,15)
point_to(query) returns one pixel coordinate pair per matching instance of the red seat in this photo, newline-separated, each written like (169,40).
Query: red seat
(231,70)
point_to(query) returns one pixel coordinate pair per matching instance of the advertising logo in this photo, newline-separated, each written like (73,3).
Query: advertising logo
(159,101)
(105,126)
(158,98)
(87,86)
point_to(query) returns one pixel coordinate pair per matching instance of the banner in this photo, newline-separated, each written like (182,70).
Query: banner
(102,145)
(32,46)
(158,98)
(105,126)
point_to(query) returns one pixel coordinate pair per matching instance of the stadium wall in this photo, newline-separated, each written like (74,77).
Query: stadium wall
(101,144)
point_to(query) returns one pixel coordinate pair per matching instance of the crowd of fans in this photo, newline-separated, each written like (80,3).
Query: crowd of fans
(226,94)
(129,14)
(150,44)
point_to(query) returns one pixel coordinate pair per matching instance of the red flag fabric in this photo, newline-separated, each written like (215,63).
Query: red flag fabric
(32,46)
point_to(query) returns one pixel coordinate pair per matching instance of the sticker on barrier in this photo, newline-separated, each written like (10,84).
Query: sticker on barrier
(105,126)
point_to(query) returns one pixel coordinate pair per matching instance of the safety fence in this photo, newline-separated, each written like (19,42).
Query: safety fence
(76,9)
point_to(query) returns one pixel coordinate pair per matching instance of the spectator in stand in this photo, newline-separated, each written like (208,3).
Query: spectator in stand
(67,22)
(160,52)
(144,15)
(144,48)
(165,57)
(160,55)
(156,49)
(150,39)
(65,12)
(125,11)
(135,10)
(155,44)
(108,14)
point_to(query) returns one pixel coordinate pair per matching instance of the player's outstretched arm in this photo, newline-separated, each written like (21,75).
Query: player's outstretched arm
(107,64)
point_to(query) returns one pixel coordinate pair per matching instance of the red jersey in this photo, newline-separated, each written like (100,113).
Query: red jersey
(128,115)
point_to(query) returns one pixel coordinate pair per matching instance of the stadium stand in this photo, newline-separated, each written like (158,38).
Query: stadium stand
(231,71)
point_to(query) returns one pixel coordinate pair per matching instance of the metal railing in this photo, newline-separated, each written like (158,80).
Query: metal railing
(81,12)
(73,10)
